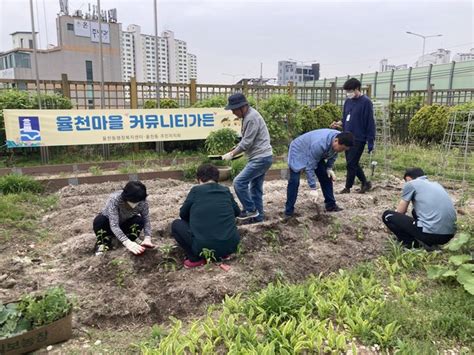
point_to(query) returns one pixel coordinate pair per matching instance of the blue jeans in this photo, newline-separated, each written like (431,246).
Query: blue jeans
(248,184)
(294,183)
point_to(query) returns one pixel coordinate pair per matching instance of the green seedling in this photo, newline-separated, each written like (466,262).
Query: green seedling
(209,255)
(169,263)
(134,231)
(334,230)
(273,239)
(102,239)
(240,250)
(121,273)
(95,170)
(305,232)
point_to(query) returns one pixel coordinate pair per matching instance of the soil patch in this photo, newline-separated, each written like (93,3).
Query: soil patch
(119,290)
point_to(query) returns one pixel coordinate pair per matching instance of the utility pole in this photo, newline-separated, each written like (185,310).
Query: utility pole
(44,152)
(160,147)
(105,147)
(424,40)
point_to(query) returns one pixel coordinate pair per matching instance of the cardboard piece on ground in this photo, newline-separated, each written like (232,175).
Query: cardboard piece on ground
(52,333)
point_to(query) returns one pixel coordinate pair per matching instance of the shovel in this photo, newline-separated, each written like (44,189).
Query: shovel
(219,157)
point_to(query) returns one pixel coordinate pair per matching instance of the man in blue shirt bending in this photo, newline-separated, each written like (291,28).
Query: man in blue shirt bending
(357,118)
(315,152)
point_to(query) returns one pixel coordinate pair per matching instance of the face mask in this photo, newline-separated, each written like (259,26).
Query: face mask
(132,204)
(350,95)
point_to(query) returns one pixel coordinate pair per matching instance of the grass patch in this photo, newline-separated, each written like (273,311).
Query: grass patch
(388,303)
(21,213)
(14,183)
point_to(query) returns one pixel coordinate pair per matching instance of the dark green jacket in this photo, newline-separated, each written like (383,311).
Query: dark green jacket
(210,210)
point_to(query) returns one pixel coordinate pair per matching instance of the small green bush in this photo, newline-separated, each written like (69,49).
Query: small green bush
(14,184)
(401,113)
(190,170)
(164,103)
(12,99)
(51,101)
(220,101)
(46,308)
(33,311)
(429,123)
(214,101)
(237,166)
(221,141)
(319,117)
(280,112)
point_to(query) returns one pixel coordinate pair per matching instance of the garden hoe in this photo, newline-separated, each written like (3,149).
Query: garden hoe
(373,164)
(219,157)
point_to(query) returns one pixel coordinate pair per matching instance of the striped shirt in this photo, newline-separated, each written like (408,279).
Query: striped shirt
(118,211)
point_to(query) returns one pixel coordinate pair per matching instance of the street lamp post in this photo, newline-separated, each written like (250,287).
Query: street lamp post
(424,39)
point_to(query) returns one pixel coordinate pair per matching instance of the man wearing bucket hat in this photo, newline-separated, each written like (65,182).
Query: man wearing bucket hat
(255,143)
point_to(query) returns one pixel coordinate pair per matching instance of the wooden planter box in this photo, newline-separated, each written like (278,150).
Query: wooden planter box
(52,333)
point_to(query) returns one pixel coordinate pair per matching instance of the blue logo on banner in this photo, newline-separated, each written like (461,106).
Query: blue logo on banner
(29,129)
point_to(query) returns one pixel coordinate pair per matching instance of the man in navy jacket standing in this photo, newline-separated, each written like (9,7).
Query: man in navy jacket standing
(358,118)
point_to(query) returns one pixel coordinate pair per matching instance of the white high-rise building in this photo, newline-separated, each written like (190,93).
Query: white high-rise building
(462,57)
(441,56)
(192,66)
(138,57)
(384,66)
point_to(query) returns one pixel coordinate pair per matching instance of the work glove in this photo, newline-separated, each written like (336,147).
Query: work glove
(314,195)
(227,156)
(331,174)
(147,242)
(370,147)
(133,247)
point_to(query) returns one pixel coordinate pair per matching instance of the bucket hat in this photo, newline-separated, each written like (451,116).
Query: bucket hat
(236,101)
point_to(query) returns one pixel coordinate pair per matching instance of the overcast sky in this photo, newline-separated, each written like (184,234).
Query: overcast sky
(234,37)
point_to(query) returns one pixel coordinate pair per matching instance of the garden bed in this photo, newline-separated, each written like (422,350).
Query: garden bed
(119,290)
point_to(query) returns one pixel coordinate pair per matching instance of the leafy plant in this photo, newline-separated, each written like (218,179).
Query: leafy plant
(33,311)
(209,255)
(429,123)
(237,166)
(214,101)
(318,117)
(51,101)
(459,266)
(169,262)
(334,230)
(280,113)
(220,101)
(96,170)
(128,168)
(15,183)
(273,238)
(190,170)
(12,99)
(401,113)
(164,103)
(46,308)
(221,141)
(11,321)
